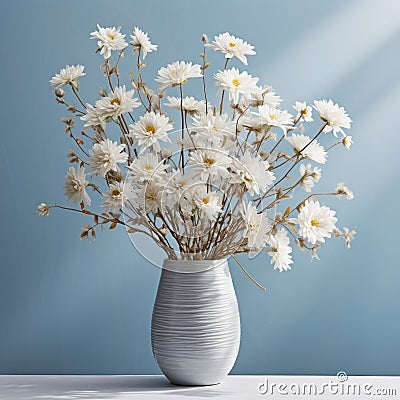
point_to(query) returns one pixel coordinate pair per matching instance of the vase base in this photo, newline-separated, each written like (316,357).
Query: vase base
(191,384)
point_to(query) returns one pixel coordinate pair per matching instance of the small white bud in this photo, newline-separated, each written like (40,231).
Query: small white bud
(166,153)
(43,209)
(204,38)
(103,92)
(59,92)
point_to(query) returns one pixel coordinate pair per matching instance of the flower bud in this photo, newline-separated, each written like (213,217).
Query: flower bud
(59,92)
(166,153)
(347,141)
(43,209)
(103,92)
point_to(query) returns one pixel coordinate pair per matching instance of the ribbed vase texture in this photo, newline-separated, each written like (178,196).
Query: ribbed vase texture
(195,330)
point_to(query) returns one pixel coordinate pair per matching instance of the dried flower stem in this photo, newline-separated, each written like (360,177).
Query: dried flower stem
(204,78)
(182,161)
(78,97)
(221,105)
(247,274)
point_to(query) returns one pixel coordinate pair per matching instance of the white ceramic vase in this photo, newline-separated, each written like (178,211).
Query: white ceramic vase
(195,330)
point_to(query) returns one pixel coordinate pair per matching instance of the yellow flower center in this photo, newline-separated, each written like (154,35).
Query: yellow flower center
(314,222)
(232,44)
(209,161)
(304,111)
(151,128)
(148,168)
(173,71)
(151,196)
(248,178)
(205,200)
(235,82)
(112,37)
(115,192)
(115,101)
(272,116)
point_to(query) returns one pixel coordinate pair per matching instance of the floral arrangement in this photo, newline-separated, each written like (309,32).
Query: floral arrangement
(225,184)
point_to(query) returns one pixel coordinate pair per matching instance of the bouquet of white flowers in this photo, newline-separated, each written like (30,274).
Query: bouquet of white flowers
(218,181)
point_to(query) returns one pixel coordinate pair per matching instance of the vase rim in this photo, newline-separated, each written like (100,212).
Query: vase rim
(192,266)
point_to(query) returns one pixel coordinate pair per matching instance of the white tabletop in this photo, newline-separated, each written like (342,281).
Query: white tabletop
(122,387)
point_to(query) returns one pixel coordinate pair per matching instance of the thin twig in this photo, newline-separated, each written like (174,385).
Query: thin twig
(221,105)
(182,127)
(247,274)
(78,97)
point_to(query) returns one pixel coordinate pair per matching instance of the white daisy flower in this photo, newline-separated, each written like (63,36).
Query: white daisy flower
(309,176)
(209,162)
(150,129)
(75,186)
(93,118)
(257,227)
(348,235)
(236,84)
(265,96)
(112,200)
(109,39)
(275,117)
(259,127)
(177,73)
(105,156)
(341,189)
(232,47)
(189,104)
(335,116)
(194,142)
(146,198)
(43,209)
(68,76)
(116,103)
(314,151)
(147,168)
(209,203)
(141,40)
(176,182)
(315,222)
(304,111)
(347,141)
(174,185)
(253,173)
(280,250)
(210,126)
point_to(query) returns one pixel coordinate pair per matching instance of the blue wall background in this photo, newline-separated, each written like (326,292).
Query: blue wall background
(68,306)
